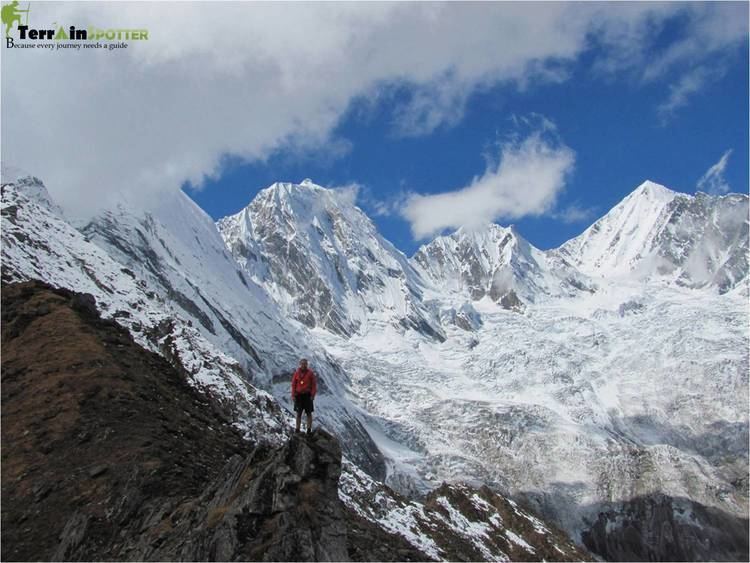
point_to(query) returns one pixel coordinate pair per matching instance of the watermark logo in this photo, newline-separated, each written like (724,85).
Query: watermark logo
(66,37)
(11,14)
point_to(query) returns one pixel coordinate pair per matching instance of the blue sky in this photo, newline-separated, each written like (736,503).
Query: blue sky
(543,115)
(613,123)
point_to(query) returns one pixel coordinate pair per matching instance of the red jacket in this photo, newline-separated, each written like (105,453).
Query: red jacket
(304,382)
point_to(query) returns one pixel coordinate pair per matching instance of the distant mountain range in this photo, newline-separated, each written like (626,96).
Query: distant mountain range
(604,383)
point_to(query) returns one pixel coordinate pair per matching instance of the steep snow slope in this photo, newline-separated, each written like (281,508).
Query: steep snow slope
(692,241)
(175,247)
(325,262)
(37,243)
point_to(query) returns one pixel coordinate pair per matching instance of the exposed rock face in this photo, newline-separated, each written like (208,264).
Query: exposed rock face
(277,505)
(457,522)
(662,528)
(509,529)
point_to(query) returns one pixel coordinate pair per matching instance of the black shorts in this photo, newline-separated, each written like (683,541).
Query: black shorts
(304,402)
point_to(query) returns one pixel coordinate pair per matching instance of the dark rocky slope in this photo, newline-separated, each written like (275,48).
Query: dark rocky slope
(663,528)
(108,453)
(98,435)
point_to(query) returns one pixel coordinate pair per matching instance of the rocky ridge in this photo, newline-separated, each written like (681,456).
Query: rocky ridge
(110,453)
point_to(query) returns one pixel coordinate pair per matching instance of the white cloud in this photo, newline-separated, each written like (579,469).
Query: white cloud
(699,51)
(713,181)
(575,214)
(348,193)
(387,207)
(711,29)
(246,79)
(680,92)
(634,35)
(441,102)
(530,175)
(373,204)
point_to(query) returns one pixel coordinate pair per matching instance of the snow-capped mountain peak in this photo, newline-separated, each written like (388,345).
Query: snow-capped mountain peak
(496,262)
(32,188)
(654,232)
(324,260)
(487,235)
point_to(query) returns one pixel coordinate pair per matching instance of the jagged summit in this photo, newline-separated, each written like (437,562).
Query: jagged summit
(654,232)
(293,205)
(9,173)
(480,234)
(292,188)
(325,262)
(32,188)
(486,227)
(496,262)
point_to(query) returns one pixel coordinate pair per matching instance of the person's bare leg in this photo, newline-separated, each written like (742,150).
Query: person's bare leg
(299,420)
(309,422)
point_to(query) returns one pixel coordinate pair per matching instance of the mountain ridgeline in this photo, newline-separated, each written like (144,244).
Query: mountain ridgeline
(696,241)
(602,385)
(323,259)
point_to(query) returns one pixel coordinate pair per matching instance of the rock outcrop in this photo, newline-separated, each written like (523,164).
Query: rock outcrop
(458,522)
(663,528)
(108,453)
(273,505)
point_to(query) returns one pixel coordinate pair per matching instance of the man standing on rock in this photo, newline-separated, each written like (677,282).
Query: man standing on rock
(304,387)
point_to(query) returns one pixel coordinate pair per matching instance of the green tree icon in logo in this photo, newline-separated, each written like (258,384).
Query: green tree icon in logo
(11,13)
